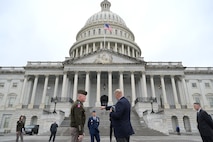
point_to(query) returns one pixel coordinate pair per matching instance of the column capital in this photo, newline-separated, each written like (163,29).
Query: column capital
(132,72)
(120,72)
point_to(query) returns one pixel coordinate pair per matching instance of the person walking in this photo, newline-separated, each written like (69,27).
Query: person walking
(20,128)
(120,118)
(205,123)
(53,130)
(78,117)
(93,123)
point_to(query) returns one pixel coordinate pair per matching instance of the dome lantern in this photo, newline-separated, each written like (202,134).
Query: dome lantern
(105,5)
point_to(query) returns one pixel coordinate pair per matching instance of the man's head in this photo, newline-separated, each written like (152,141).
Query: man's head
(118,94)
(93,113)
(82,95)
(197,106)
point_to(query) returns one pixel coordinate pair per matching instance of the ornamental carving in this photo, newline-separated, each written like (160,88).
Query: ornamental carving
(103,59)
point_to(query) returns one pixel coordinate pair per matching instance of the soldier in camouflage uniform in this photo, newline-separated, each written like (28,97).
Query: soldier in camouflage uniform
(78,117)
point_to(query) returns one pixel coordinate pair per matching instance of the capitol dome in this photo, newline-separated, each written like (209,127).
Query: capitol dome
(105,15)
(93,37)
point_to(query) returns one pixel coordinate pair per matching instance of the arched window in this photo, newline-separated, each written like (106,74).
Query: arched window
(99,31)
(94,32)
(174,122)
(186,123)
(34,120)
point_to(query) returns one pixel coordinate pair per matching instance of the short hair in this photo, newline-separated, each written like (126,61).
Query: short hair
(118,91)
(83,92)
(196,103)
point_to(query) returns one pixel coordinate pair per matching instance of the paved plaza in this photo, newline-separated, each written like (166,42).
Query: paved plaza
(171,138)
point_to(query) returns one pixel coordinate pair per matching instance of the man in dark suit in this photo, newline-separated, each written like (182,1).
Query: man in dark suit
(93,123)
(53,130)
(205,123)
(120,118)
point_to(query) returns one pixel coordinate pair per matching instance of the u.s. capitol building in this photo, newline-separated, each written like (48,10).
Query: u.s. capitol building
(162,93)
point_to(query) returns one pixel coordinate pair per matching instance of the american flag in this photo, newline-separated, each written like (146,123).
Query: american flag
(107,27)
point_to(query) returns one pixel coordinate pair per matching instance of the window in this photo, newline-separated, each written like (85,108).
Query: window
(121,33)
(6,120)
(99,31)
(11,101)
(1,85)
(194,85)
(207,85)
(15,84)
(94,32)
(197,99)
(211,102)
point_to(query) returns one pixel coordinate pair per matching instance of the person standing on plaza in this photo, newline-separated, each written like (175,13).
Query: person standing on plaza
(78,117)
(93,123)
(120,118)
(20,128)
(53,130)
(205,123)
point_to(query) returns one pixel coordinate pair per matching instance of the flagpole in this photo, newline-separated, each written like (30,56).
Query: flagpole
(104,38)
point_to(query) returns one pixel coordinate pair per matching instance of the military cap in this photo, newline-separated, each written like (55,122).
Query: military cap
(83,92)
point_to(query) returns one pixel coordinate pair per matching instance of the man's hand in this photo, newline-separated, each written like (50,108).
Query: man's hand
(103,107)
(80,137)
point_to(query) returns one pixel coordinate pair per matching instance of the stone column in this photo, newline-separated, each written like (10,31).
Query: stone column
(108,45)
(30,106)
(121,82)
(128,50)
(205,102)
(75,86)
(81,51)
(166,105)
(63,92)
(76,52)
(101,45)
(86,104)
(23,92)
(116,47)
(98,103)
(144,85)
(56,86)
(177,105)
(133,88)
(188,100)
(93,46)
(110,88)
(133,52)
(42,105)
(87,48)
(152,86)
(122,49)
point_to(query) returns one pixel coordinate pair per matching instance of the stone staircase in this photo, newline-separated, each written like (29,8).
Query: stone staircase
(140,128)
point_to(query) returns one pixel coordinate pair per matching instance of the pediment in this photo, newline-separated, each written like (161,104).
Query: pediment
(104,57)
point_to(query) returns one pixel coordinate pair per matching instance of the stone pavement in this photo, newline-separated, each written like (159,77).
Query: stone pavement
(171,138)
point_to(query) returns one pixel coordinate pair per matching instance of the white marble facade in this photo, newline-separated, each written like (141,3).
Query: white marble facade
(101,65)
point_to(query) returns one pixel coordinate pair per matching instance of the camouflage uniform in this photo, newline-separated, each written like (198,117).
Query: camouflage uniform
(78,119)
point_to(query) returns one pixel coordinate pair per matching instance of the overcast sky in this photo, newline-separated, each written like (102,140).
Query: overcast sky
(165,30)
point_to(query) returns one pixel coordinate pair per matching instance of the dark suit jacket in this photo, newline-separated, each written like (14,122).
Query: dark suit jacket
(120,119)
(205,123)
(93,125)
(53,128)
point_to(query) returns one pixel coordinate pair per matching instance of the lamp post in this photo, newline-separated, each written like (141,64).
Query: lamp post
(152,106)
(55,100)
